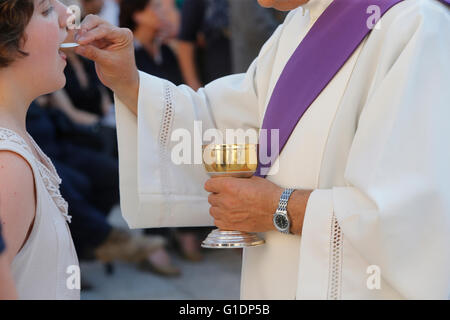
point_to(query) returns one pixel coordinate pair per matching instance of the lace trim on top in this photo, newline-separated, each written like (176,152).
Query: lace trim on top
(47,170)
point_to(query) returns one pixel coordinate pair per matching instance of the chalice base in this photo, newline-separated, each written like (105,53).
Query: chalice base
(221,239)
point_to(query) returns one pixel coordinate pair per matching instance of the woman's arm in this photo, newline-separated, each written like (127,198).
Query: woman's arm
(7,288)
(106,101)
(192,16)
(17,202)
(186,58)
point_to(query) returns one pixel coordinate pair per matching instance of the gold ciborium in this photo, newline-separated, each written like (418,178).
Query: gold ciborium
(231,160)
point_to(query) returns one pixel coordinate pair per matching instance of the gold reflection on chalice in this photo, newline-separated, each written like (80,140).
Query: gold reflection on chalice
(231,160)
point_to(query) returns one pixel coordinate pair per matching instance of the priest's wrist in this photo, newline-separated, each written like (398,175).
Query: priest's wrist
(128,92)
(296,209)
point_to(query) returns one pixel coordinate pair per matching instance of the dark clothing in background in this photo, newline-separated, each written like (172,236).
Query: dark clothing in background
(84,98)
(167,68)
(179,3)
(90,99)
(43,131)
(90,179)
(102,172)
(209,18)
(89,226)
(2,243)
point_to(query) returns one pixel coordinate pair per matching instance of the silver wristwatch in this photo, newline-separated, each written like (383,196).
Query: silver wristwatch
(280,217)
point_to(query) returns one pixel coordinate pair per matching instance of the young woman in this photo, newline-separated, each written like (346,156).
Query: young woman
(34,215)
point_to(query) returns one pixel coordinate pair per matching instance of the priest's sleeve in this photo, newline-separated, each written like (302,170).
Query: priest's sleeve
(392,219)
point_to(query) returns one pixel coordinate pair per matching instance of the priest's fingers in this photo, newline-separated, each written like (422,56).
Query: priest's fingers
(90,22)
(226,226)
(215,212)
(222,225)
(213,199)
(113,52)
(211,185)
(106,34)
(91,52)
(222,184)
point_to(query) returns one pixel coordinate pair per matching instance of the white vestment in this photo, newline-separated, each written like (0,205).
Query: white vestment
(373,146)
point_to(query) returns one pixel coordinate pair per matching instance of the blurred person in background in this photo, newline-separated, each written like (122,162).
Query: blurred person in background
(168,9)
(7,288)
(251,26)
(145,19)
(92,6)
(204,49)
(170,17)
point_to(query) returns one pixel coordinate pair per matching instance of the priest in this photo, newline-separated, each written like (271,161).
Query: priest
(358,90)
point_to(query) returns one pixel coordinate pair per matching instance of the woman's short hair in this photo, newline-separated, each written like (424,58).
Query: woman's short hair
(127,10)
(14,18)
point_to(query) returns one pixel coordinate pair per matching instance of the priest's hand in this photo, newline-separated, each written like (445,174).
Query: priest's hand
(249,204)
(112,50)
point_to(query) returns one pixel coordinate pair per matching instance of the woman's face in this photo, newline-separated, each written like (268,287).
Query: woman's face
(45,63)
(148,18)
(282,5)
(169,17)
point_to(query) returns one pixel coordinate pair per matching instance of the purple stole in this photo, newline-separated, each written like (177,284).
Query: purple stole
(325,49)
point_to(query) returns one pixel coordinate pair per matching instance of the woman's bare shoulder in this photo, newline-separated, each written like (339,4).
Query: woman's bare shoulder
(14,165)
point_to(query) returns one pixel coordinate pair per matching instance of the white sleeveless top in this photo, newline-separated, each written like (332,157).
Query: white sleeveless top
(46,266)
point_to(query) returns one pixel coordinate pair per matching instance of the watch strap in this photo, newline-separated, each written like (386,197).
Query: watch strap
(282,209)
(284,199)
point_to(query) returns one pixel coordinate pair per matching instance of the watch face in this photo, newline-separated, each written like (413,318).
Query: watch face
(281,221)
